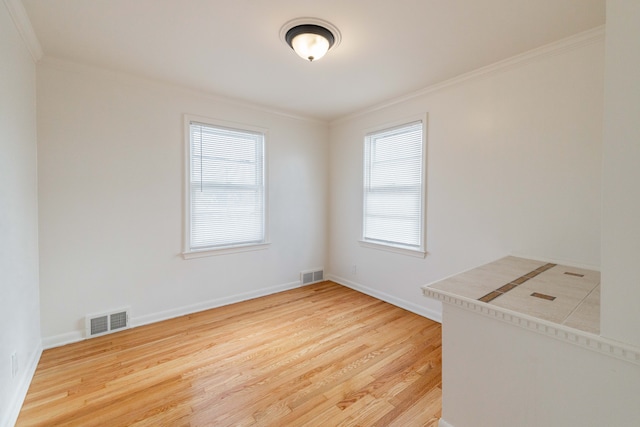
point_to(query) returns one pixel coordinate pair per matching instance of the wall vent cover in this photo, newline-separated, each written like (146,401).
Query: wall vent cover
(99,325)
(312,276)
(318,276)
(105,323)
(118,320)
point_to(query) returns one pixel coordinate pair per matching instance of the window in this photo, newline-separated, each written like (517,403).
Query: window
(394,189)
(226,194)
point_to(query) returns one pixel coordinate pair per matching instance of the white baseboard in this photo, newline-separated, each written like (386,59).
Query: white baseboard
(207,305)
(443,423)
(62,339)
(435,315)
(75,336)
(13,410)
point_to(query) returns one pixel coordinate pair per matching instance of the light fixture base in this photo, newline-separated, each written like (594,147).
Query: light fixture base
(322,28)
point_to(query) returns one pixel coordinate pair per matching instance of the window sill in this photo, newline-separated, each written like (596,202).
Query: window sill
(226,250)
(395,249)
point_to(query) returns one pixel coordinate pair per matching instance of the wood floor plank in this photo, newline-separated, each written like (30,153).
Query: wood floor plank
(321,355)
(425,412)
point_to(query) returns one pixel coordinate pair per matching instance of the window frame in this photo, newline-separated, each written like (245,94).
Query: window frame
(188,251)
(421,251)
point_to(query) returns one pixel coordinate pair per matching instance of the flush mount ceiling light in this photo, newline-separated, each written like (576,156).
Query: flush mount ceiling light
(310,38)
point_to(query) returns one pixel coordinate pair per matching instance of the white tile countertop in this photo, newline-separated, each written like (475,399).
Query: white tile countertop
(558,301)
(557,293)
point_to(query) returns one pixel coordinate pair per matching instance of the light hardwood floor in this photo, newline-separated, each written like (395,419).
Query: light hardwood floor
(321,355)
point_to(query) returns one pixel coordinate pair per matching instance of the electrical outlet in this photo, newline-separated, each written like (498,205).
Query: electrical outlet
(354,269)
(14,365)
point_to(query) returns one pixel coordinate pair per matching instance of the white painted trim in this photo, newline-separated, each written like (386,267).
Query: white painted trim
(395,249)
(572,42)
(188,253)
(11,416)
(569,43)
(434,315)
(560,332)
(420,252)
(226,250)
(23,25)
(207,305)
(443,423)
(75,336)
(62,339)
(164,85)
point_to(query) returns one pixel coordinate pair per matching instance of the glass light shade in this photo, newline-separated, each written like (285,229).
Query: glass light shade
(310,46)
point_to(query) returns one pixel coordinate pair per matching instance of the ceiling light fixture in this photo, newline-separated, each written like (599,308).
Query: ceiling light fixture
(310,38)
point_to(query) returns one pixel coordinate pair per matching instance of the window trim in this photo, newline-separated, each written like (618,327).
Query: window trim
(420,252)
(188,252)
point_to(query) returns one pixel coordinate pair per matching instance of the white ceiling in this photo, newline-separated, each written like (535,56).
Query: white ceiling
(232,47)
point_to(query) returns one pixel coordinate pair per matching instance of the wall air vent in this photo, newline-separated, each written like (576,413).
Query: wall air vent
(312,276)
(318,276)
(105,323)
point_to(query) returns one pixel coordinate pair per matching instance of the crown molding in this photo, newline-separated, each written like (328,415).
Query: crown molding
(23,24)
(586,340)
(163,85)
(569,43)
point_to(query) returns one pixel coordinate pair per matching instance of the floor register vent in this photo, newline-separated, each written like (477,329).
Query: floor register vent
(312,276)
(106,323)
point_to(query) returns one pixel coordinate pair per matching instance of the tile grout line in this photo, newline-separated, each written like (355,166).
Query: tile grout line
(580,303)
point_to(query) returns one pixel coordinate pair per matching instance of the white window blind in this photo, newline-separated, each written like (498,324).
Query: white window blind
(394,187)
(226,187)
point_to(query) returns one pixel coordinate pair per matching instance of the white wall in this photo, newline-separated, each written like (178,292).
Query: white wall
(497,374)
(621,175)
(19,301)
(111,201)
(514,167)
